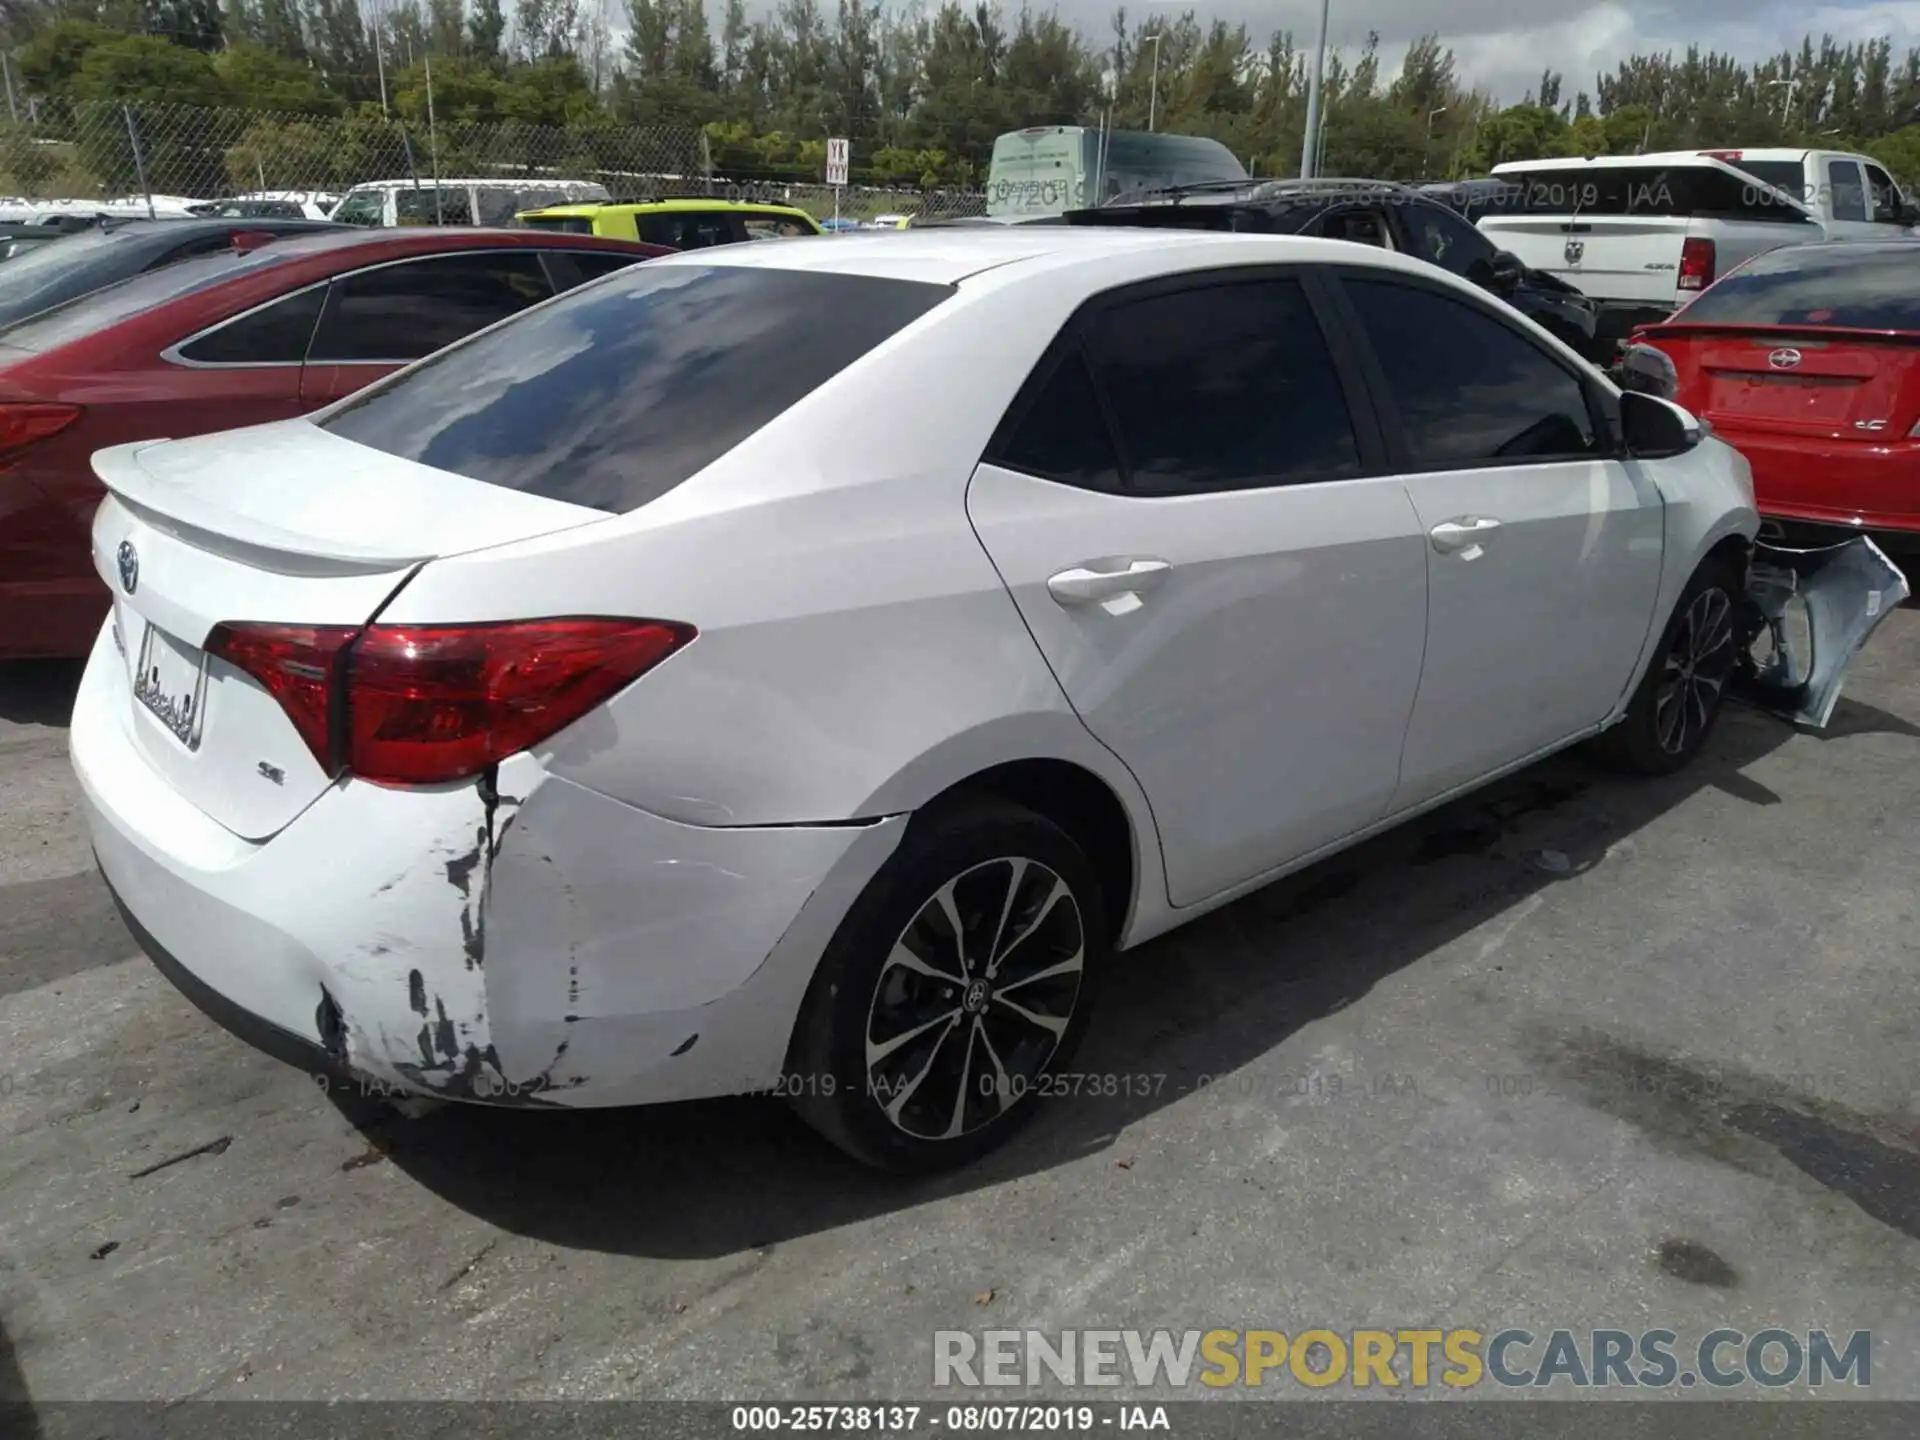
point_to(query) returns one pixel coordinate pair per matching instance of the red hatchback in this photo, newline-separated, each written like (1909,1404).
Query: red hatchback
(1807,361)
(225,340)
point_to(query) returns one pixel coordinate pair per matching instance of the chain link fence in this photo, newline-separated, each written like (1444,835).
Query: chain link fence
(172,155)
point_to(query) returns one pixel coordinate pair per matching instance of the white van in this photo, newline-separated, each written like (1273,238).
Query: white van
(459,202)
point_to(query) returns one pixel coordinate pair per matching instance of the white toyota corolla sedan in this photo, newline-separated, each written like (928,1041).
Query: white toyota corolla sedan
(799,667)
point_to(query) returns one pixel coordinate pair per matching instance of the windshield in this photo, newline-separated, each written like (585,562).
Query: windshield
(1841,285)
(61,269)
(362,207)
(1038,172)
(618,391)
(109,306)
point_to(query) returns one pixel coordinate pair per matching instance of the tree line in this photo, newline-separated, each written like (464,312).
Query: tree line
(922,92)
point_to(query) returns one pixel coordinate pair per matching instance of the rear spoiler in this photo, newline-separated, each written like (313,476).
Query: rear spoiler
(186,511)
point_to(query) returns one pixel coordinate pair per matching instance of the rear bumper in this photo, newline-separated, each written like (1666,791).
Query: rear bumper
(1831,488)
(552,947)
(1615,320)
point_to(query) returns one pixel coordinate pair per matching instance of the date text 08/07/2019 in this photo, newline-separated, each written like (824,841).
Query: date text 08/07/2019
(960,1419)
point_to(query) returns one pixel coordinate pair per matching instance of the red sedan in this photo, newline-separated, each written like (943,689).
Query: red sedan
(236,338)
(1807,360)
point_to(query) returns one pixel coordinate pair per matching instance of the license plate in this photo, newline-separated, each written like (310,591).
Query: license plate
(170,679)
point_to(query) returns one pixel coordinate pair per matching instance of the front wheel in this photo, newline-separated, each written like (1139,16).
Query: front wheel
(958,984)
(1680,697)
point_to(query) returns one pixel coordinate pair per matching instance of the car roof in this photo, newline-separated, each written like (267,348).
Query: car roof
(589,208)
(950,256)
(406,238)
(502,182)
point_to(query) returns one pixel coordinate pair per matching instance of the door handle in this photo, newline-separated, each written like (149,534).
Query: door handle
(1082,586)
(1453,535)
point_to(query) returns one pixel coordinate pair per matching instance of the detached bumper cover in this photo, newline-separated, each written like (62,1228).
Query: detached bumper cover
(1812,610)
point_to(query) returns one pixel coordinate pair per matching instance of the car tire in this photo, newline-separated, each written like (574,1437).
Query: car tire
(1679,699)
(913,1054)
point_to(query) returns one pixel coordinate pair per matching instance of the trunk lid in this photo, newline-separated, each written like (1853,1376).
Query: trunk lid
(281,524)
(1811,382)
(1606,257)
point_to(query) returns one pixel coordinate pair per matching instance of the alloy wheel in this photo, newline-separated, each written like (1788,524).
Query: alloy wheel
(1694,672)
(974,997)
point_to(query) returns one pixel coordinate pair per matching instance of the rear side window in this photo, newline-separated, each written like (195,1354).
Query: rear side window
(687,231)
(109,306)
(562,224)
(616,393)
(575,267)
(775,227)
(405,311)
(1849,192)
(1223,387)
(449,205)
(1497,398)
(1062,434)
(1652,190)
(1857,287)
(276,334)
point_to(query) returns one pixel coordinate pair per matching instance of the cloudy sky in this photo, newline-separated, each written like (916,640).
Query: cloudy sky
(1499,50)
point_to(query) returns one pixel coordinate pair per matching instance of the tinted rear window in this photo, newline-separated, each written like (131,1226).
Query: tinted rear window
(617,392)
(1649,190)
(90,313)
(565,224)
(1873,289)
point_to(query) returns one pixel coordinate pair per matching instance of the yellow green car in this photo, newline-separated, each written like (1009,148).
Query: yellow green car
(688,223)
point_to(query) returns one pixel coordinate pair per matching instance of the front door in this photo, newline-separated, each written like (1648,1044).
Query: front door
(1198,530)
(1543,543)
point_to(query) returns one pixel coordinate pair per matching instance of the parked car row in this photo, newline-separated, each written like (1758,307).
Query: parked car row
(536,666)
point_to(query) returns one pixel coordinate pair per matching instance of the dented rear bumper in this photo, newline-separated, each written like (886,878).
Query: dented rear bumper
(521,940)
(1809,612)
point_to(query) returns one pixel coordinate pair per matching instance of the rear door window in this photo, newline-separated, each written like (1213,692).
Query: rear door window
(402,312)
(568,268)
(1848,190)
(616,393)
(1223,387)
(1861,286)
(1649,190)
(275,334)
(688,230)
(1061,433)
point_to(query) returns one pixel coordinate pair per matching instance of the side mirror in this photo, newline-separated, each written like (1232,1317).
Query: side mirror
(1507,272)
(1655,429)
(1648,370)
(1909,213)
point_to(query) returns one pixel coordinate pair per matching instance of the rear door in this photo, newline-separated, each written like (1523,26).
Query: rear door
(1189,506)
(1543,545)
(381,318)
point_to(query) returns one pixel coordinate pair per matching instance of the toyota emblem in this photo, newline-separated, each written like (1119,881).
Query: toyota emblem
(1784,359)
(129,559)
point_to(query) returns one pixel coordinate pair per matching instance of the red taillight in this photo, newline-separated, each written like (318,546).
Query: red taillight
(1696,263)
(300,667)
(28,422)
(428,704)
(432,703)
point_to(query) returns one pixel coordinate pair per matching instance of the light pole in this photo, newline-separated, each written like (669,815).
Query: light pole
(1153,95)
(1792,82)
(1427,152)
(1309,165)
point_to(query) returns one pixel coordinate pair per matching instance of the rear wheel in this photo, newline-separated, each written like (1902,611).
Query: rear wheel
(1680,697)
(960,980)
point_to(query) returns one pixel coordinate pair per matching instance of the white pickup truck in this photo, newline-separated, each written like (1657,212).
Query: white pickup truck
(1642,234)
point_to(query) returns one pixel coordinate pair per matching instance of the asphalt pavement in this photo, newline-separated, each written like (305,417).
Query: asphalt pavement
(1577,1051)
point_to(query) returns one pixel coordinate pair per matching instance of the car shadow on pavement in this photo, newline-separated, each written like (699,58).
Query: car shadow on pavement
(38,692)
(715,1178)
(18,1421)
